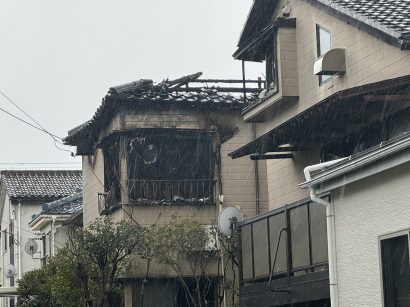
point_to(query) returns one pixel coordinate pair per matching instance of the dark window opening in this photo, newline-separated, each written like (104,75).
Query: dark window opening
(5,240)
(271,70)
(396,271)
(323,40)
(112,174)
(170,168)
(173,293)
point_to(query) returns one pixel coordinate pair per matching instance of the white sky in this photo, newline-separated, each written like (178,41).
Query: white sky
(59,57)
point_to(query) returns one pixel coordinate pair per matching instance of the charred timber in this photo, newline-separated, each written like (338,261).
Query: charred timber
(218,89)
(271,157)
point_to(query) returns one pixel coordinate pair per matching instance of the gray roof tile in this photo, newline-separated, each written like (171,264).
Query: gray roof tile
(67,205)
(391,17)
(41,184)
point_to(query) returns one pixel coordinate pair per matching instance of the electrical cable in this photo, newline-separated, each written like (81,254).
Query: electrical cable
(40,127)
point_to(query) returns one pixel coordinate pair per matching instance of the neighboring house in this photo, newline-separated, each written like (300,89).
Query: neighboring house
(22,195)
(154,150)
(338,83)
(55,221)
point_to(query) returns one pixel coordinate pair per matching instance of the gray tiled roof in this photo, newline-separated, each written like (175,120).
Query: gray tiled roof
(41,184)
(146,92)
(67,205)
(389,17)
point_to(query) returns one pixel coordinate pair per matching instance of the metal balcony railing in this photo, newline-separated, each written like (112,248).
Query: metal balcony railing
(188,191)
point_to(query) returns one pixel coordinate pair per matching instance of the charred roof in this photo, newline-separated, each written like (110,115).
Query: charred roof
(187,92)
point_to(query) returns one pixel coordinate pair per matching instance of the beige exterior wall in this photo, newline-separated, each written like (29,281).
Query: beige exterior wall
(368,60)
(285,175)
(238,176)
(365,210)
(93,181)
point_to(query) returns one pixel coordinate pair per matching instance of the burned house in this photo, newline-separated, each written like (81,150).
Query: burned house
(335,115)
(154,150)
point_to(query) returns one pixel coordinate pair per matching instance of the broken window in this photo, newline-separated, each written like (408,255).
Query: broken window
(170,168)
(323,40)
(112,180)
(395,264)
(271,71)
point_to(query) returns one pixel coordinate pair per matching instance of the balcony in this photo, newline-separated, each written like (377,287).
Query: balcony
(172,192)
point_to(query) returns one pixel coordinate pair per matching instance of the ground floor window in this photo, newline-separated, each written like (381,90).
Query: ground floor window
(395,267)
(172,293)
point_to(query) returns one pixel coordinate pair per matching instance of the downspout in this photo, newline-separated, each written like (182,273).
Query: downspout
(330,225)
(256,168)
(19,238)
(53,225)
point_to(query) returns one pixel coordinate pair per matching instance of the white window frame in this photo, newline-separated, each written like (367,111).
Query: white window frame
(381,238)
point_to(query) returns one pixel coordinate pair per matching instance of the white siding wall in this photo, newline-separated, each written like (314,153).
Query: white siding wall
(364,211)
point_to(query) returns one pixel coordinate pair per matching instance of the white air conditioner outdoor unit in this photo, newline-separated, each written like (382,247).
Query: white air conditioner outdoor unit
(332,62)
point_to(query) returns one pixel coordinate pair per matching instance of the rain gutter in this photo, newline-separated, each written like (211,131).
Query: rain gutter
(330,225)
(397,150)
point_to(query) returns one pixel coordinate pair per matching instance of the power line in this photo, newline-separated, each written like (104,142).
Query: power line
(38,124)
(27,123)
(40,127)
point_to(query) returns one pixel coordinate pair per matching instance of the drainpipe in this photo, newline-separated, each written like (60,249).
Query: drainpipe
(53,226)
(19,238)
(330,225)
(256,171)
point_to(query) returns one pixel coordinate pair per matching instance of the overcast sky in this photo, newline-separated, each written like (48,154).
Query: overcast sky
(59,57)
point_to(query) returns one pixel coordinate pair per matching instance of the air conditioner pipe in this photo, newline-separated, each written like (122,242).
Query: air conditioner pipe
(330,225)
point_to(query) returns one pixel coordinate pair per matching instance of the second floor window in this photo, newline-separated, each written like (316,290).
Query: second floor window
(323,39)
(112,174)
(271,71)
(167,167)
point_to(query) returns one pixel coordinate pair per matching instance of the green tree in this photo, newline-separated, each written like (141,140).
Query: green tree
(85,272)
(184,240)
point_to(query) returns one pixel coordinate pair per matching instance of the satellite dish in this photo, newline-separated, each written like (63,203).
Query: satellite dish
(31,247)
(227,217)
(9,271)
